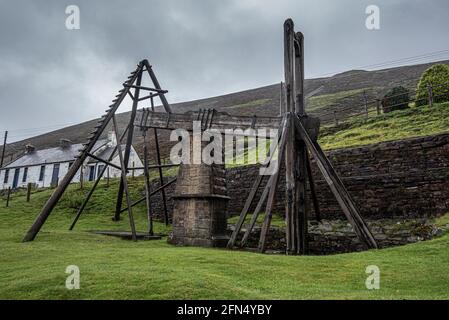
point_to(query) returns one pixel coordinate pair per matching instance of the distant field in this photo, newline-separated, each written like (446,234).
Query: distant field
(117,269)
(413,122)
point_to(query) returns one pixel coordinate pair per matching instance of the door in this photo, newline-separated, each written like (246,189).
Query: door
(15,182)
(55,175)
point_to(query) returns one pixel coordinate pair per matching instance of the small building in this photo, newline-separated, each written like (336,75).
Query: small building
(46,167)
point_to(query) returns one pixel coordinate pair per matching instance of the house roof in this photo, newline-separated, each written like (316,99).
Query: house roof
(52,155)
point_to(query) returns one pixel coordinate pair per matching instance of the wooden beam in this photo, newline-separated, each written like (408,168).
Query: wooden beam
(338,189)
(313,190)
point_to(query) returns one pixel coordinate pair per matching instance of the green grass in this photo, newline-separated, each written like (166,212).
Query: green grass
(316,103)
(117,269)
(413,122)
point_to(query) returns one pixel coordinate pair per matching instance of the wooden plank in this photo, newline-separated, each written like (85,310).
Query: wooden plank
(128,145)
(274,181)
(221,121)
(147,188)
(338,189)
(159,163)
(313,193)
(244,212)
(59,191)
(157,86)
(124,179)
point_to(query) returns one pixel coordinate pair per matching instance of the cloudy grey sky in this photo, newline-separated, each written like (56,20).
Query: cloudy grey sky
(51,76)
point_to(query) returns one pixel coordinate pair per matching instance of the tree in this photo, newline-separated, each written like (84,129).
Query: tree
(396,99)
(436,76)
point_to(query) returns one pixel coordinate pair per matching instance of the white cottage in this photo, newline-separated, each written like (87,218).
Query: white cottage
(45,168)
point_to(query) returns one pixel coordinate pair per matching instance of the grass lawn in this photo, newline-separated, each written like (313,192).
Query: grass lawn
(413,122)
(117,269)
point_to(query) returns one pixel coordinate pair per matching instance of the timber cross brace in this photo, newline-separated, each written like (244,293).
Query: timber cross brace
(297,140)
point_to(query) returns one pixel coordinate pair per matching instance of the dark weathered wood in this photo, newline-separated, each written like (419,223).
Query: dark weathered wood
(273,185)
(8,196)
(151,194)
(128,146)
(97,180)
(58,192)
(147,187)
(157,86)
(3,149)
(244,212)
(159,163)
(28,191)
(221,121)
(107,162)
(313,194)
(338,189)
(124,179)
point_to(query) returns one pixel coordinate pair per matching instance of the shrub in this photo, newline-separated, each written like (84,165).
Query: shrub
(396,99)
(438,77)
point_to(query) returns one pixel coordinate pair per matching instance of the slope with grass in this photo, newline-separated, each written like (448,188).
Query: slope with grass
(111,268)
(412,122)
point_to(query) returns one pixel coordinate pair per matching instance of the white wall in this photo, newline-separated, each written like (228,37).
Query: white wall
(33,172)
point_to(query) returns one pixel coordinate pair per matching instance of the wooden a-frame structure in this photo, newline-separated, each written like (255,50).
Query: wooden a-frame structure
(298,139)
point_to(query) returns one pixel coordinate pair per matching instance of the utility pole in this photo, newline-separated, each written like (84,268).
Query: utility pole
(4,147)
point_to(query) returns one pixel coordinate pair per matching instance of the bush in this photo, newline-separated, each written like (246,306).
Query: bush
(396,99)
(438,77)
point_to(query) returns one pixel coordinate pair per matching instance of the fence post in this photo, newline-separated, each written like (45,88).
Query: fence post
(378,106)
(28,191)
(107,177)
(430,92)
(8,196)
(335,118)
(133,170)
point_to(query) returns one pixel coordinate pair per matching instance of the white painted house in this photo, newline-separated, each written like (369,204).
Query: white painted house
(46,168)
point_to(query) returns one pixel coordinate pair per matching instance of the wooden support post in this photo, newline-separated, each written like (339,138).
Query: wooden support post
(3,149)
(8,195)
(128,145)
(272,185)
(107,177)
(159,163)
(147,186)
(338,189)
(82,177)
(133,171)
(97,180)
(28,191)
(124,179)
(313,190)
(378,106)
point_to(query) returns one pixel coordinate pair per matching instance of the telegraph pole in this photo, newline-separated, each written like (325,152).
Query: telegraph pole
(4,147)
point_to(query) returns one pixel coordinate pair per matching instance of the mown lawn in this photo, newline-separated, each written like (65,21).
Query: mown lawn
(413,122)
(117,269)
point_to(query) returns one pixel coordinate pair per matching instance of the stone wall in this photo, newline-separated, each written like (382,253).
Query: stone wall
(400,179)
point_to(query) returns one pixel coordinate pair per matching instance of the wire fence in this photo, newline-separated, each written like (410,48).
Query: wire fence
(378,106)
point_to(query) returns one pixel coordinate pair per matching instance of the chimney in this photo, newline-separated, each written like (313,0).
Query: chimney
(29,148)
(112,141)
(64,143)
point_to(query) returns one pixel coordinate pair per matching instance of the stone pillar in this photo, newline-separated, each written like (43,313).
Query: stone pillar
(200,201)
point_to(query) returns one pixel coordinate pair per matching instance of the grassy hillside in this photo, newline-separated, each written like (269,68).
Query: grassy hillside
(413,122)
(111,268)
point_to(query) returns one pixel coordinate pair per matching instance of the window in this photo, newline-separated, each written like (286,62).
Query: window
(25,174)
(91,173)
(100,169)
(5,180)
(42,173)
